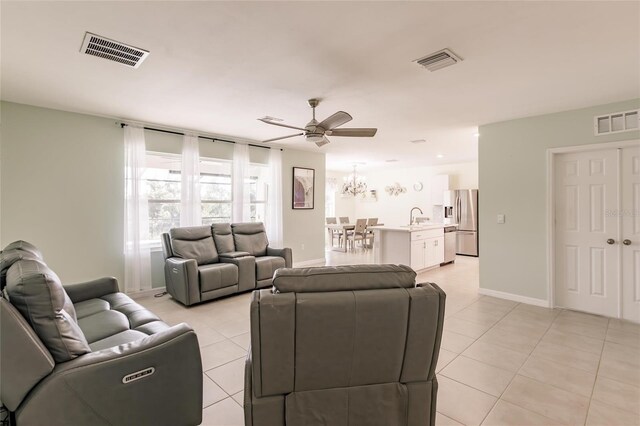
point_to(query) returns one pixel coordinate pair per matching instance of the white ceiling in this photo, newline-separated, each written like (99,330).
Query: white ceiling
(217,66)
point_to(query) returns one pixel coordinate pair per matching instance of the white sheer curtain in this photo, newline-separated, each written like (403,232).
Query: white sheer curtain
(240,210)
(274,202)
(190,208)
(137,259)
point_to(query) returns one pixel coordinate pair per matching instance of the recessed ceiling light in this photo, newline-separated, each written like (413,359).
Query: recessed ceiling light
(418,141)
(476,134)
(440,156)
(391,161)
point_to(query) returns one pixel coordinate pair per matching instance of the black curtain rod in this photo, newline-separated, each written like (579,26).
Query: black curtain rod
(201,137)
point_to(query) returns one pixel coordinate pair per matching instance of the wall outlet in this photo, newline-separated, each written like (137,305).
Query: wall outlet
(302,246)
(500,218)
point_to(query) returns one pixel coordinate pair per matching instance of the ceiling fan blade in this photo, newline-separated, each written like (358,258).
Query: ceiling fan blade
(353,132)
(282,137)
(281,125)
(323,142)
(335,120)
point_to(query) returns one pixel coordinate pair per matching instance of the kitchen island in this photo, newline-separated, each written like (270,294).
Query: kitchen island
(419,246)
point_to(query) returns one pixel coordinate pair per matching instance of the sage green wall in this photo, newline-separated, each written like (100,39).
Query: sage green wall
(513,181)
(61,188)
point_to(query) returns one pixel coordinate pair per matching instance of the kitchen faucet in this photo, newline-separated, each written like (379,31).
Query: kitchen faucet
(411,214)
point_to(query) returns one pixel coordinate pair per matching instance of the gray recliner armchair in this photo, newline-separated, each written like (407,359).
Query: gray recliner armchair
(348,345)
(85,353)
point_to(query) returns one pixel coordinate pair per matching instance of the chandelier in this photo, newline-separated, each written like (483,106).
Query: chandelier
(354,184)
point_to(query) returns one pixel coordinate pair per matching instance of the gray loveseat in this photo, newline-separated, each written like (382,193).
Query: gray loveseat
(347,345)
(85,353)
(207,262)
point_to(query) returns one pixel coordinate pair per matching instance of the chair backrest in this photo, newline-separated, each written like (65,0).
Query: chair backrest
(372,221)
(361,225)
(194,242)
(223,237)
(364,327)
(344,219)
(250,237)
(331,220)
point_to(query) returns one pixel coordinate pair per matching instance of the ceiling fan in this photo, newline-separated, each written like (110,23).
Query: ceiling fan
(317,132)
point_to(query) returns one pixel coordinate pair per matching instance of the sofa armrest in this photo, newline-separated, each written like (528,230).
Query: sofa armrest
(285,253)
(181,279)
(126,384)
(234,254)
(246,270)
(91,289)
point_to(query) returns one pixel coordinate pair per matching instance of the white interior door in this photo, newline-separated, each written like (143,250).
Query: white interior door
(586,250)
(630,218)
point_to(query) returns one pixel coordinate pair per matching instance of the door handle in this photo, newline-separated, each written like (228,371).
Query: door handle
(611,241)
(626,242)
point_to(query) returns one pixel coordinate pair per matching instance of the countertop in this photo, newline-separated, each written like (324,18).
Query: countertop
(414,228)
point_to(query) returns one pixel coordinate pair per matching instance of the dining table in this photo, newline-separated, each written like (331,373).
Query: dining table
(344,227)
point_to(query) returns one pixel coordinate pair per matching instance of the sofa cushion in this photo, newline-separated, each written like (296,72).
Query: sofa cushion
(267,265)
(90,307)
(103,324)
(250,237)
(37,293)
(213,277)
(223,237)
(194,242)
(343,278)
(117,339)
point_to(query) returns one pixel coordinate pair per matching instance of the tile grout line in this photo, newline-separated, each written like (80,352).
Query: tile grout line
(460,354)
(516,373)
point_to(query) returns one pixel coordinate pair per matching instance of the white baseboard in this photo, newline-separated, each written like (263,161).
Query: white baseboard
(514,297)
(312,262)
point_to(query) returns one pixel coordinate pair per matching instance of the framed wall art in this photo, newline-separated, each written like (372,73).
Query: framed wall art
(303,188)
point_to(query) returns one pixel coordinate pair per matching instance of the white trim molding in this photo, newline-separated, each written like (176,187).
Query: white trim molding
(312,262)
(514,297)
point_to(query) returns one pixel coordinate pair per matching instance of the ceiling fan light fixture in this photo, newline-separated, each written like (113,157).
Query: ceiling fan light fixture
(314,137)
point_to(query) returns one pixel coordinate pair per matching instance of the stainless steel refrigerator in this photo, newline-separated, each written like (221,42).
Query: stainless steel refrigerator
(461,207)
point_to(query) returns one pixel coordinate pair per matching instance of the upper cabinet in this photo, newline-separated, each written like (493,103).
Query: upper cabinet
(439,184)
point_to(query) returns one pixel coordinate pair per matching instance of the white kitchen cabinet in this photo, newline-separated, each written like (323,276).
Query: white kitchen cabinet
(427,249)
(439,184)
(417,255)
(421,247)
(434,251)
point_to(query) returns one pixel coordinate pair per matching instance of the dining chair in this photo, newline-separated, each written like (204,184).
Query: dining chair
(333,233)
(344,219)
(372,221)
(359,233)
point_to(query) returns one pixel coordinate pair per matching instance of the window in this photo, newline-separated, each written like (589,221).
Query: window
(215,191)
(163,179)
(258,187)
(163,190)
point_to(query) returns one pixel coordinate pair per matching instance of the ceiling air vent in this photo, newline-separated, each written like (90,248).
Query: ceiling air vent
(440,59)
(112,50)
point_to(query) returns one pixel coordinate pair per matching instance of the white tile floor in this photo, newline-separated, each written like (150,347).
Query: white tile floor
(501,362)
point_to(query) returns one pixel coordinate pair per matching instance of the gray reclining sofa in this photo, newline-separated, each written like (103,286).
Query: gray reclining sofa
(86,354)
(349,345)
(207,262)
